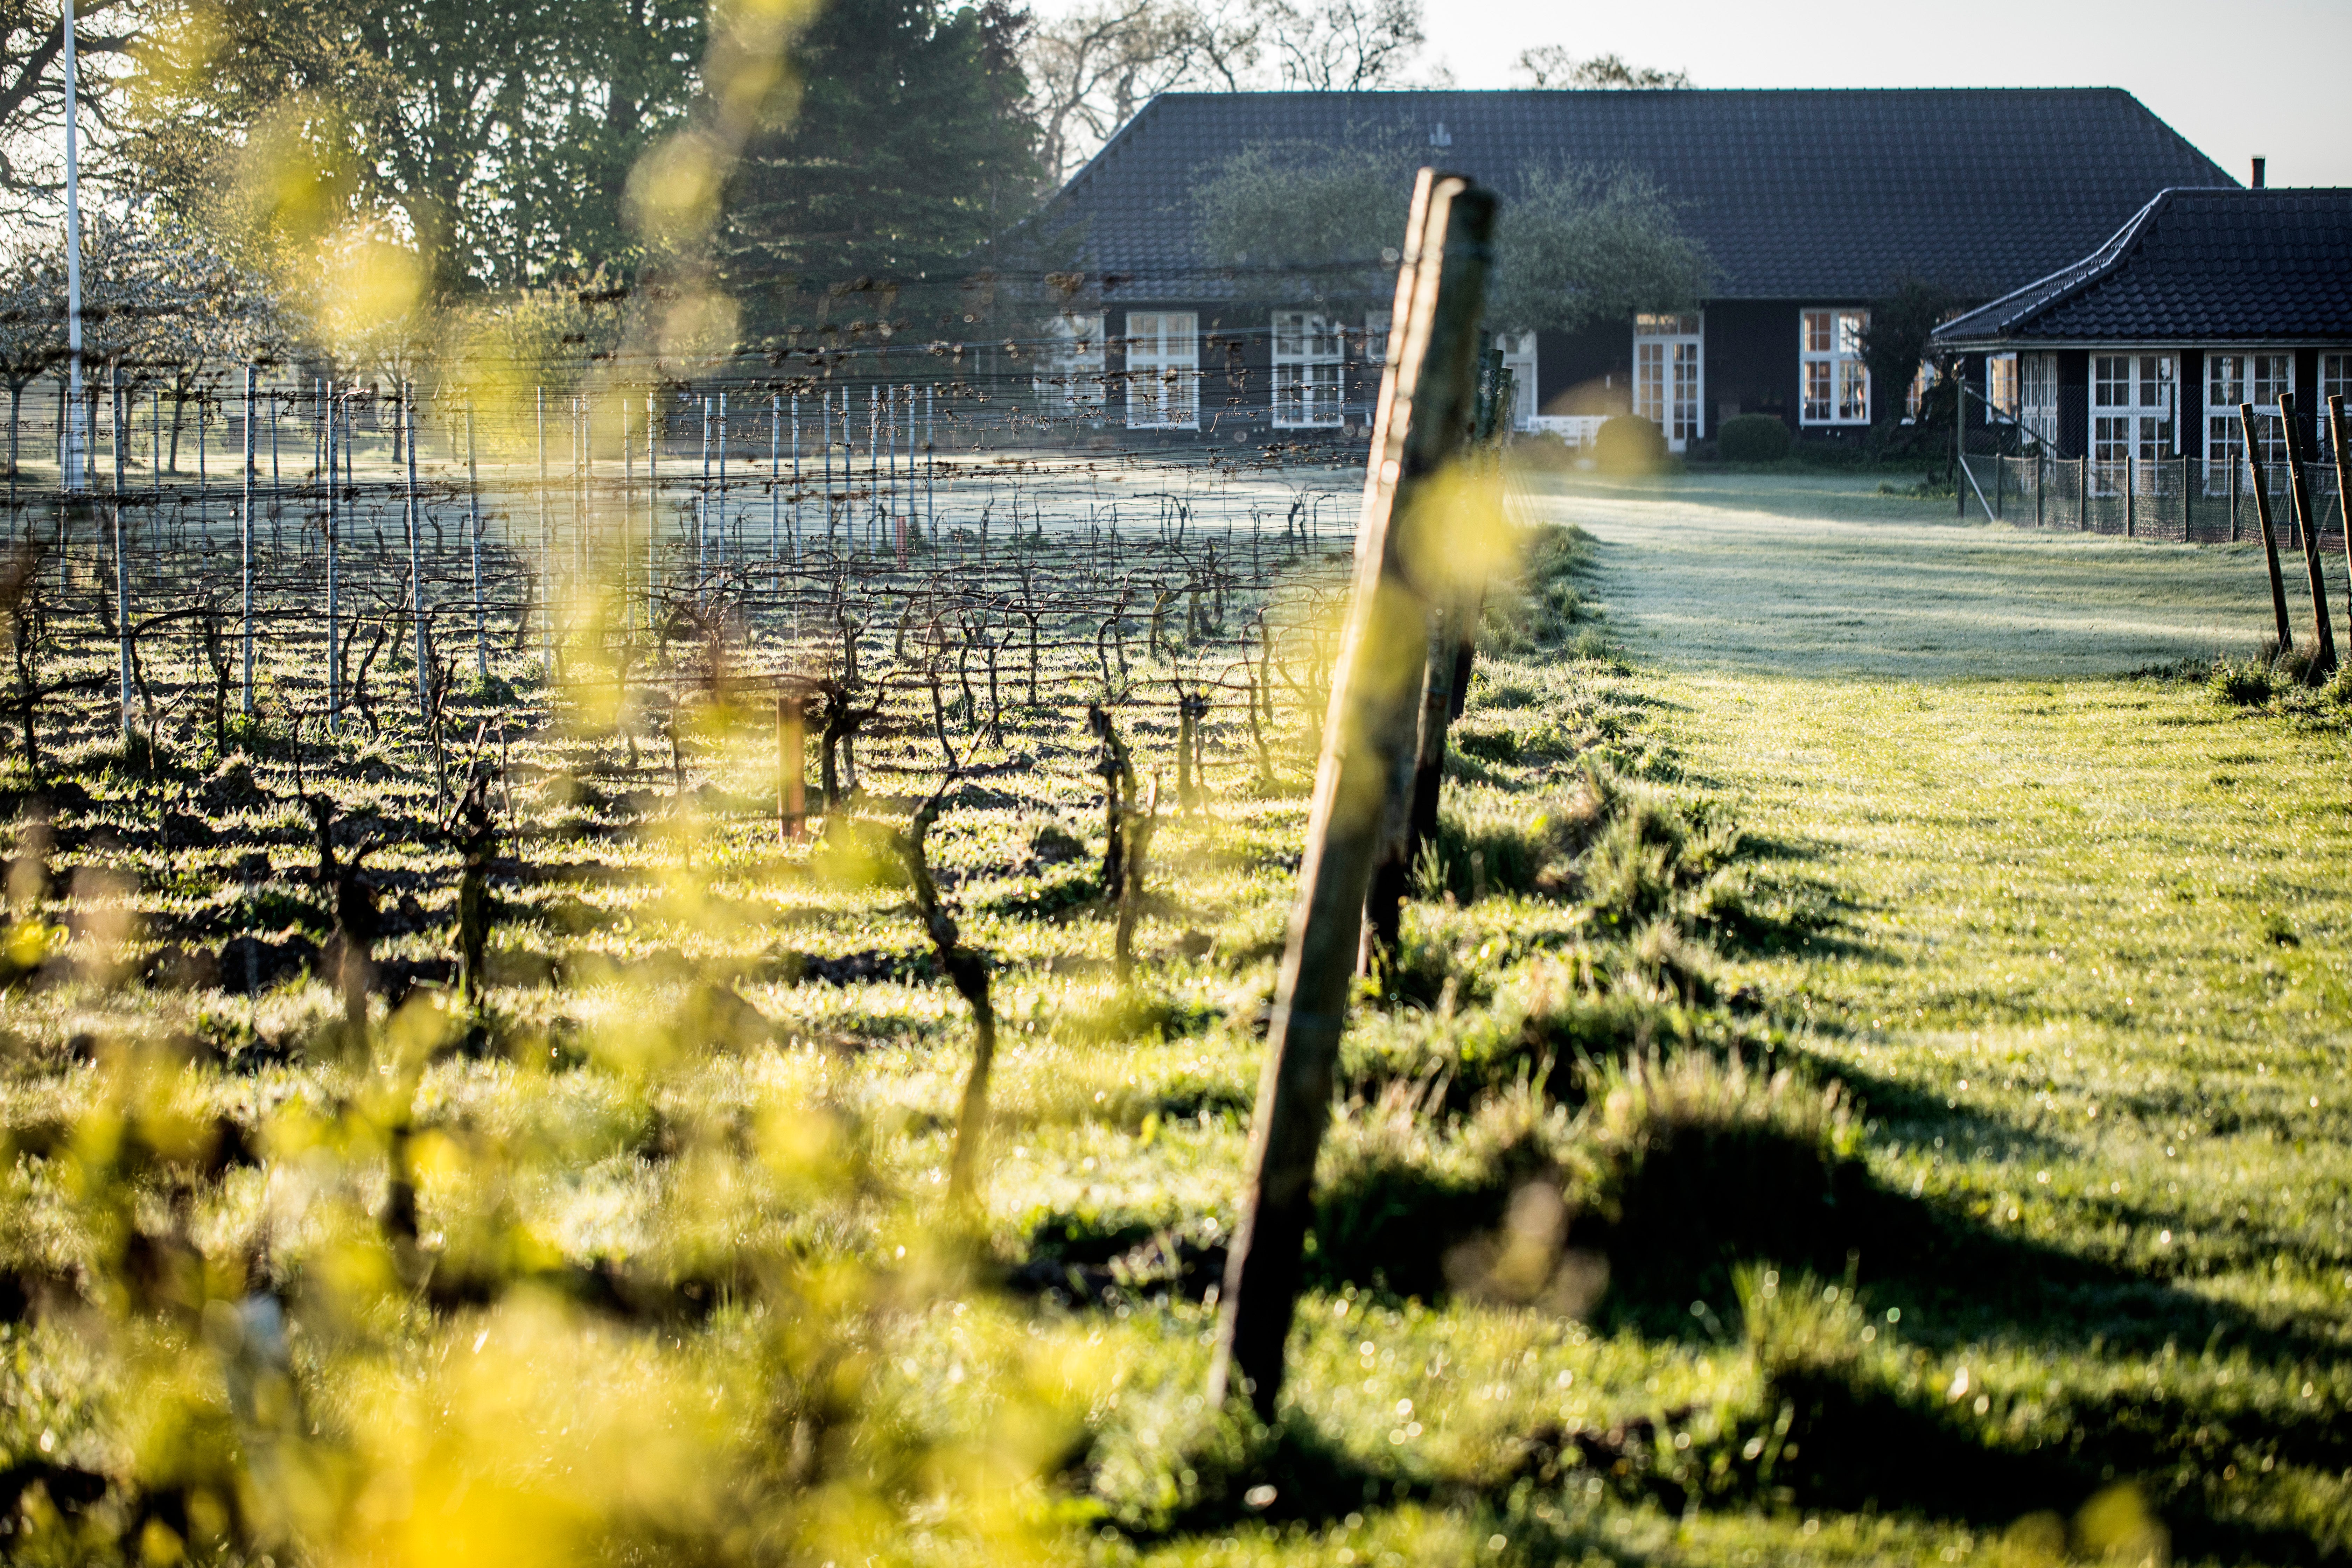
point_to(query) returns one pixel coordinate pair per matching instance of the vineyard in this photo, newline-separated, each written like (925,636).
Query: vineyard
(495,1119)
(450,906)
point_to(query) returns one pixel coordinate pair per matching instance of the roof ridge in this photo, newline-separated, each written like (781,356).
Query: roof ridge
(2080,275)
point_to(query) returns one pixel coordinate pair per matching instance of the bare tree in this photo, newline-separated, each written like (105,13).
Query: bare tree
(1342,45)
(33,87)
(1550,64)
(1091,69)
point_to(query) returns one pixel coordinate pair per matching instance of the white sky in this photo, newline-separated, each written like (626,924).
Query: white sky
(2272,78)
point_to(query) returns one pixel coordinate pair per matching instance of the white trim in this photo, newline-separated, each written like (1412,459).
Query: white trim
(1310,371)
(1520,357)
(1837,349)
(2224,437)
(2132,414)
(1674,401)
(2340,383)
(1163,369)
(1072,380)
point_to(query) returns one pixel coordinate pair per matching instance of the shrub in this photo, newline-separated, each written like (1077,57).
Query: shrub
(1629,443)
(1753,438)
(2241,683)
(2297,665)
(1490,842)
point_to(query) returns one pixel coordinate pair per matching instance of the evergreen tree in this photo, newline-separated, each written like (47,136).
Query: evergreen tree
(909,150)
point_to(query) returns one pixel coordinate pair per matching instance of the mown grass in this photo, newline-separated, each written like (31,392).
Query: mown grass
(1816,1115)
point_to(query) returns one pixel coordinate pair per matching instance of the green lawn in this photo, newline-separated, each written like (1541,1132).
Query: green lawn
(1861,1089)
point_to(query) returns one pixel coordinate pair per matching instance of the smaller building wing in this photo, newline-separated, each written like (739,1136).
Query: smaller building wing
(2201,266)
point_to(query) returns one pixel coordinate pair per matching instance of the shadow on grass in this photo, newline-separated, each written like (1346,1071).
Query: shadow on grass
(1698,1207)
(1828,1440)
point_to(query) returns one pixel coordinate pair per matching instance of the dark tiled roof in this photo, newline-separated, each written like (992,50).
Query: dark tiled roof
(2200,264)
(1818,193)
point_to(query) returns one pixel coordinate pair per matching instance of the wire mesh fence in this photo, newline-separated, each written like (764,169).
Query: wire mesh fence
(2180,500)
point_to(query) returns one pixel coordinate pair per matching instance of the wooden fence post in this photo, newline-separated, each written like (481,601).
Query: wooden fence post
(2306,521)
(1426,396)
(2262,514)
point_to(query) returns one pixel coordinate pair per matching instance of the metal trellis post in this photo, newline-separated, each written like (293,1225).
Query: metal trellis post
(474,517)
(334,604)
(407,416)
(245,545)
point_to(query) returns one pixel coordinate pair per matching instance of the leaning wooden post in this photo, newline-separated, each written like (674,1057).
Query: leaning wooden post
(2307,521)
(2263,515)
(1367,738)
(2337,430)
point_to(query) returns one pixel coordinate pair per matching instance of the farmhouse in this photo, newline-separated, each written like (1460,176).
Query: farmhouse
(2138,355)
(1812,203)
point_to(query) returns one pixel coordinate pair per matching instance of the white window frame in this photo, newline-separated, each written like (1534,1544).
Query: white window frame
(1163,369)
(2132,417)
(2000,399)
(1670,375)
(2336,380)
(1073,363)
(1376,325)
(2235,376)
(1519,357)
(2037,396)
(1310,371)
(1922,379)
(1829,352)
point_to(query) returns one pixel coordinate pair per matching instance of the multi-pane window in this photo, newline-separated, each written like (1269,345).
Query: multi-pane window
(2000,388)
(2335,381)
(2037,396)
(2131,408)
(1071,366)
(1163,369)
(1667,380)
(2231,378)
(1309,369)
(1376,337)
(1914,396)
(1834,382)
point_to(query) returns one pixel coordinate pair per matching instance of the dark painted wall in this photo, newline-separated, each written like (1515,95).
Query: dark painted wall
(1751,366)
(2074,401)
(1236,359)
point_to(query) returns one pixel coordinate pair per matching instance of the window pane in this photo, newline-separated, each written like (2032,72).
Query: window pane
(1817,331)
(1817,390)
(1850,325)
(1854,390)
(2273,373)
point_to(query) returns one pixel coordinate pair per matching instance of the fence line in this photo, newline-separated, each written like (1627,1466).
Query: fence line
(2179,499)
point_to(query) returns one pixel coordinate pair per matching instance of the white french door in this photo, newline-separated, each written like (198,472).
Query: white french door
(1669,388)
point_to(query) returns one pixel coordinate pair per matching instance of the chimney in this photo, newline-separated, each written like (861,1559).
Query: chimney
(2258,171)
